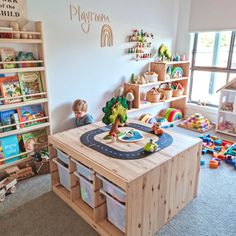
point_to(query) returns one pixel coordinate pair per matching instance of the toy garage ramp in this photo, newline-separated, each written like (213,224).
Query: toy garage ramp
(127,151)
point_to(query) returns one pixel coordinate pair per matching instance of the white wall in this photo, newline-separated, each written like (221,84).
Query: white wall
(76,65)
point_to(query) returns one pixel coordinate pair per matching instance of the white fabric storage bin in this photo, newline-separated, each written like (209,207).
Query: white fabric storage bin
(64,174)
(62,156)
(83,170)
(112,189)
(86,190)
(115,211)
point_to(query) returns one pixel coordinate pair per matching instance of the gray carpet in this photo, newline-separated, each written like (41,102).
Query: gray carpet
(26,190)
(212,213)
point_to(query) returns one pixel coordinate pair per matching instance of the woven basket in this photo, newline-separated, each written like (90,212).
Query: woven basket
(153,95)
(167,93)
(178,92)
(42,167)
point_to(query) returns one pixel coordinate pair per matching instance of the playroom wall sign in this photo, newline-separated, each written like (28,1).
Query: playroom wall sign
(13,10)
(86,18)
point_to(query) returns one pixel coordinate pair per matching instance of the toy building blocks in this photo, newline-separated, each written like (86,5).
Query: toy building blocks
(213,164)
(220,150)
(197,123)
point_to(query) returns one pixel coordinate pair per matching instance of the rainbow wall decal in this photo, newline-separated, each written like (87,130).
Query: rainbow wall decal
(106,36)
(172,114)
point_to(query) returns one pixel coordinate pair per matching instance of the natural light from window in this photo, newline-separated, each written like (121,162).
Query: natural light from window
(213,65)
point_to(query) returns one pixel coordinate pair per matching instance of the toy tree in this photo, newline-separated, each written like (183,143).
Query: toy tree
(115,113)
(164,52)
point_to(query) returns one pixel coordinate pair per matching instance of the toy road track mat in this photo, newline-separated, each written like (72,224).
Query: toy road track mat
(182,125)
(127,151)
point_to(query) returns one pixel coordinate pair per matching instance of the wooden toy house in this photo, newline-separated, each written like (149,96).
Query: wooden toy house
(226,121)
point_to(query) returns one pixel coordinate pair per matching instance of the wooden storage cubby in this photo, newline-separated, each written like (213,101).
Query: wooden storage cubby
(97,216)
(156,188)
(35,44)
(160,68)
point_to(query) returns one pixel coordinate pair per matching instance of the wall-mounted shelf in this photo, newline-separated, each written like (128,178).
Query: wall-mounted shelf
(160,68)
(30,41)
(33,37)
(20,161)
(22,104)
(25,130)
(16,70)
(149,105)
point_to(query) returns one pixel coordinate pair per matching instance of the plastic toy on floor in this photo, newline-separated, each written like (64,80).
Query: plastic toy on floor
(220,150)
(197,123)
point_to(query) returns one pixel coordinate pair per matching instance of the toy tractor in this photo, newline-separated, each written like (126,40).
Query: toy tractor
(7,186)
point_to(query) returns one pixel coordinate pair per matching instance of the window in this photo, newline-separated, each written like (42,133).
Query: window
(213,65)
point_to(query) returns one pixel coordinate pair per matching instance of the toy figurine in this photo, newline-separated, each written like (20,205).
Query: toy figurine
(156,129)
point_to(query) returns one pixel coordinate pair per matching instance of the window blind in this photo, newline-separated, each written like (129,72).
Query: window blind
(212,15)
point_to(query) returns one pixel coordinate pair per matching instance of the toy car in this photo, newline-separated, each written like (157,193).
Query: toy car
(150,146)
(7,186)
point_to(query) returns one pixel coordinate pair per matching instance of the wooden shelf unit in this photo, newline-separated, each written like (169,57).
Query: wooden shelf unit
(160,68)
(96,216)
(16,70)
(28,41)
(160,186)
(37,45)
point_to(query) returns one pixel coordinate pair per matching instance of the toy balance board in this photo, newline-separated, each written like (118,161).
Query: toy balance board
(124,150)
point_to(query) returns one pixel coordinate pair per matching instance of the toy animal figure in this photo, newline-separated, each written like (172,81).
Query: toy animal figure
(156,129)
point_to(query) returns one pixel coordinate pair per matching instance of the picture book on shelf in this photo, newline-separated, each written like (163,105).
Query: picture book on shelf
(9,147)
(10,89)
(30,83)
(8,118)
(25,56)
(29,113)
(31,138)
(8,55)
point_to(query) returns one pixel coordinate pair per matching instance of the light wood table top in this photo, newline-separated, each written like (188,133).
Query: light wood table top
(126,170)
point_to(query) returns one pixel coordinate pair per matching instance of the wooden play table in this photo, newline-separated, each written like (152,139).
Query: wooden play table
(157,187)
